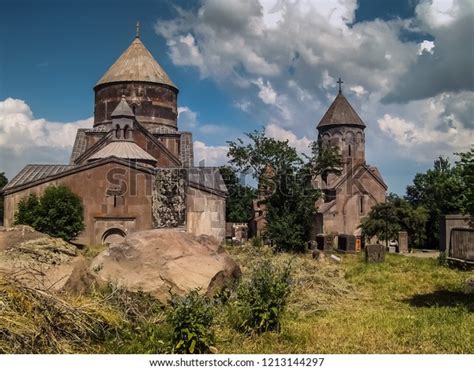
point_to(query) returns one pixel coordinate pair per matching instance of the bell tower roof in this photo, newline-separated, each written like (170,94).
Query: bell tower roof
(340,112)
(136,64)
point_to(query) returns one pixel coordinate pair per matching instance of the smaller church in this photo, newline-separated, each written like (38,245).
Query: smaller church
(347,197)
(133,169)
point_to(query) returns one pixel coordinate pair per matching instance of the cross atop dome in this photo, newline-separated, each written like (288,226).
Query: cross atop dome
(340,82)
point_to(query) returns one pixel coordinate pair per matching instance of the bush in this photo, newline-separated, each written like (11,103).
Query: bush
(58,212)
(191,318)
(262,299)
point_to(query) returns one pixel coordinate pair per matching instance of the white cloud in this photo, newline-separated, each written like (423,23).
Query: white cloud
(244,105)
(427,46)
(187,119)
(276,132)
(24,139)
(430,129)
(19,129)
(207,155)
(358,90)
(437,13)
(266,92)
(281,57)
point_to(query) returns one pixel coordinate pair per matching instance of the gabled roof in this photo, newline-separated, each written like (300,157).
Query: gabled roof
(340,113)
(123,109)
(34,172)
(357,172)
(94,148)
(124,149)
(136,64)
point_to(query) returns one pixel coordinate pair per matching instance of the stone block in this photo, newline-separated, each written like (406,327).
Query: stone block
(402,242)
(374,253)
(325,241)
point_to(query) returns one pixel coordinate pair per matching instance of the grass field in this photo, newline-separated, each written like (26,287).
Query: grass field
(404,305)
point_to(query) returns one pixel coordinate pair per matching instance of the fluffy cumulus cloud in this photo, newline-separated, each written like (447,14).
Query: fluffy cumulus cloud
(445,64)
(300,144)
(208,155)
(282,58)
(25,139)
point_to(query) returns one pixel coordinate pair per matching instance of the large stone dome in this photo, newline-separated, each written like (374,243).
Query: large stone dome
(146,87)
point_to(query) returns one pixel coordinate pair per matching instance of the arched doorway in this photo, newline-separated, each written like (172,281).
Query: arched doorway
(113,235)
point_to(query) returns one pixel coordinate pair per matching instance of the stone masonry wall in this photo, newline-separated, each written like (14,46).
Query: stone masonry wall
(205,213)
(169,198)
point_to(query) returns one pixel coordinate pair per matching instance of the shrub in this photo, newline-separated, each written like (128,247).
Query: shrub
(191,318)
(58,212)
(28,210)
(262,300)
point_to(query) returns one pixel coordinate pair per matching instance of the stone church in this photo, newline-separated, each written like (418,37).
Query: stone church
(348,197)
(133,169)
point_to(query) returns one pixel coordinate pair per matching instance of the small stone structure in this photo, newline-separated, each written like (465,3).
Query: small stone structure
(462,245)
(346,243)
(374,253)
(402,242)
(237,232)
(325,241)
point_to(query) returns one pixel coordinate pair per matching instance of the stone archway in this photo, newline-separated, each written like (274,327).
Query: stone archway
(113,235)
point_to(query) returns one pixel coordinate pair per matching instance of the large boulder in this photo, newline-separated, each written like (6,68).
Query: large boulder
(163,260)
(41,261)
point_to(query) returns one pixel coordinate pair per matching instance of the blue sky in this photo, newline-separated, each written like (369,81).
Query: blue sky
(245,64)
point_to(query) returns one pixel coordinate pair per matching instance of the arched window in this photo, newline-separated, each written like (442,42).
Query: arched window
(117,132)
(126,132)
(350,150)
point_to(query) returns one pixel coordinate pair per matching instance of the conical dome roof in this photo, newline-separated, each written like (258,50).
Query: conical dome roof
(136,64)
(341,113)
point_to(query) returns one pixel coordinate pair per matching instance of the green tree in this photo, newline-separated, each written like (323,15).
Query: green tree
(58,212)
(239,197)
(261,151)
(385,220)
(440,190)
(325,159)
(286,180)
(3,182)
(466,168)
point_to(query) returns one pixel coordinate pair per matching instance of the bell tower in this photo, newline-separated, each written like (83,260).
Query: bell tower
(342,127)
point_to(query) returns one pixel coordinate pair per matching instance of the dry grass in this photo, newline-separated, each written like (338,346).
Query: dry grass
(38,321)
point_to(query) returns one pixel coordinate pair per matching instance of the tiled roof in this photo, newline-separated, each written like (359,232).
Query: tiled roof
(33,172)
(80,145)
(341,113)
(122,149)
(136,64)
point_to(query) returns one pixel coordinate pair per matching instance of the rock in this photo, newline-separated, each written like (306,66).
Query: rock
(335,258)
(469,287)
(160,260)
(374,253)
(36,259)
(80,280)
(318,255)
